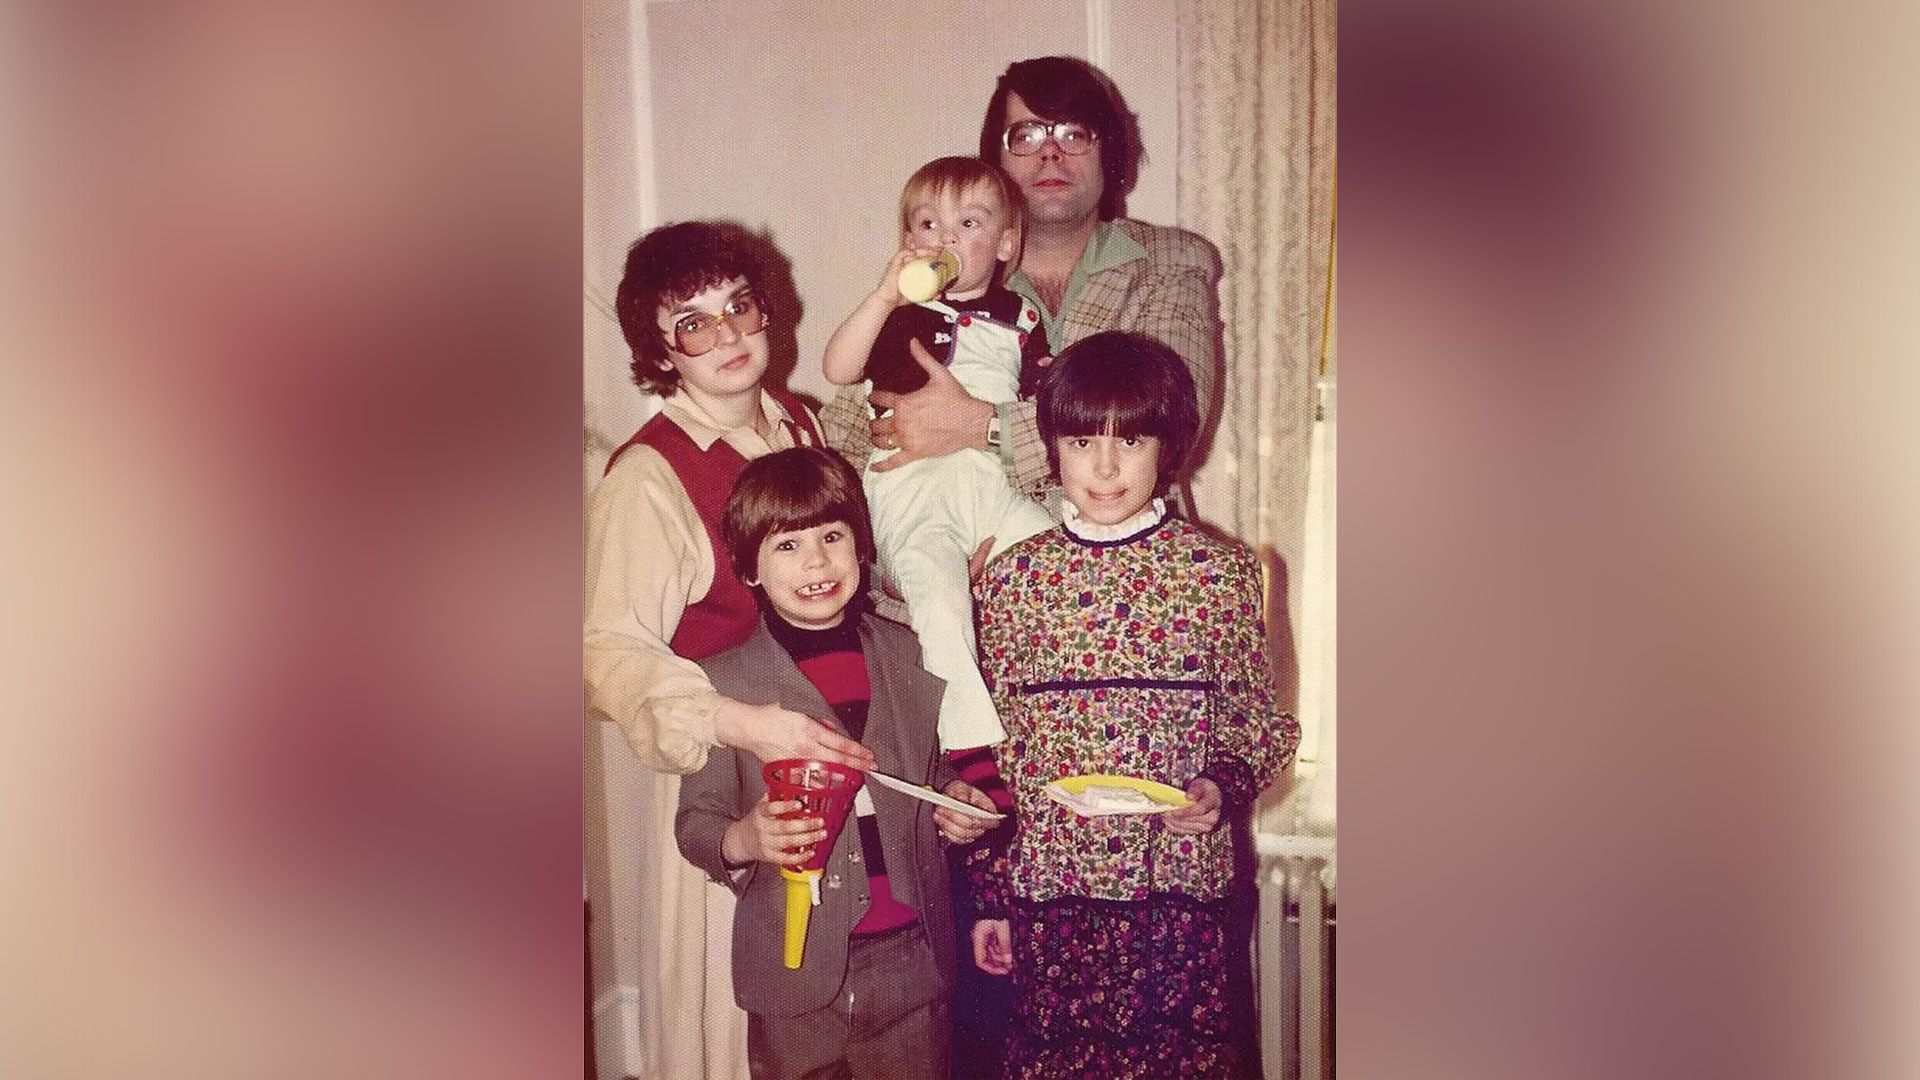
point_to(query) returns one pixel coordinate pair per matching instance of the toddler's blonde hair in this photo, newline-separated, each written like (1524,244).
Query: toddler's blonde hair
(957,177)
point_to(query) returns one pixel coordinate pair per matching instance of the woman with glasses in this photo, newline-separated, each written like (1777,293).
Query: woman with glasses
(659,595)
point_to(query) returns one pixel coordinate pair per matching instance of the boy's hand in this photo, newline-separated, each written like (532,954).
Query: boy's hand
(1202,815)
(930,422)
(993,946)
(961,828)
(764,836)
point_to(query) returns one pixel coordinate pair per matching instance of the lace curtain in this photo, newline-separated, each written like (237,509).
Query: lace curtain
(1255,176)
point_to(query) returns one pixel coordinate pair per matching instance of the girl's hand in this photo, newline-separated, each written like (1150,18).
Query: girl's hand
(959,828)
(1202,815)
(993,946)
(977,565)
(764,836)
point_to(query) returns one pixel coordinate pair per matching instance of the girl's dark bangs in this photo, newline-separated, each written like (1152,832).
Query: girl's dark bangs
(1123,414)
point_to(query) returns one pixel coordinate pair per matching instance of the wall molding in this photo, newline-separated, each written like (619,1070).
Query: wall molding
(1100,33)
(640,76)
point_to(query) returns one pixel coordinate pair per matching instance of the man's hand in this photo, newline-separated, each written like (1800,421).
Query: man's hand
(993,946)
(1202,815)
(764,836)
(771,733)
(961,828)
(977,563)
(930,422)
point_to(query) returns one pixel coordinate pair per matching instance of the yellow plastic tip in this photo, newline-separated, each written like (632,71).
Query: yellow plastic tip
(799,913)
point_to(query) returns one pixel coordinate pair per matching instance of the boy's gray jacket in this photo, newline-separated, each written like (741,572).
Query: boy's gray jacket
(901,731)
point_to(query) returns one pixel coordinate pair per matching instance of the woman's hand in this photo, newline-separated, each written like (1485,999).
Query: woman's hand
(930,422)
(771,733)
(993,946)
(959,828)
(764,836)
(1202,815)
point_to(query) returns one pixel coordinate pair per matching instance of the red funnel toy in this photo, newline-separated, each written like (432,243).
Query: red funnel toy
(824,790)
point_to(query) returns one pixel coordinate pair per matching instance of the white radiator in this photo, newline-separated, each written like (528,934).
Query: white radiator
(1294,830)
(1296,976)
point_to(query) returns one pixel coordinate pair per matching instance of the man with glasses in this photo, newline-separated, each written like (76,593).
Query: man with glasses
(660,592)
(1058,127)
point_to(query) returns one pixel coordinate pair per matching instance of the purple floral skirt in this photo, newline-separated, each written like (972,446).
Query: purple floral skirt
(1120,989)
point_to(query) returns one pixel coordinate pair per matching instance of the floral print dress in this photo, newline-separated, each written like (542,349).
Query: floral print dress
(1138,651)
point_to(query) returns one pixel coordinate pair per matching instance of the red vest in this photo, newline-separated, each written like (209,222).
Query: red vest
(726,616)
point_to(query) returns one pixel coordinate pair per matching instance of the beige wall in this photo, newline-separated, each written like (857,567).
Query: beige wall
(618,195)
(801,119)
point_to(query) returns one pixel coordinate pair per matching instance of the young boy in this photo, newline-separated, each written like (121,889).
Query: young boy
(932,514)
(870,996)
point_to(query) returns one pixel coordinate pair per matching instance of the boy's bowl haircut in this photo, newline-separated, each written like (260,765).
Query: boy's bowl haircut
(792,489)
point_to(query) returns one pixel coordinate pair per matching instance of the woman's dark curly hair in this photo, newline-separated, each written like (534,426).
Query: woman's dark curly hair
(665,267)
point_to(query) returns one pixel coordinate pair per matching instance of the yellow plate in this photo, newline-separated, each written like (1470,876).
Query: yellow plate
(1164,794)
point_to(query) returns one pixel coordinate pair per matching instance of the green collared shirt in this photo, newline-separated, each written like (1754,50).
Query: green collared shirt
(1107,248)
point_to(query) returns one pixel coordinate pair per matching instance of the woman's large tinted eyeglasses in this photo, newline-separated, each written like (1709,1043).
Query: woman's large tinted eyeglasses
(1026,137)
(697,332)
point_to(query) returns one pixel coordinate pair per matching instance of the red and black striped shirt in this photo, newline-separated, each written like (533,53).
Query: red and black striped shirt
(834,663)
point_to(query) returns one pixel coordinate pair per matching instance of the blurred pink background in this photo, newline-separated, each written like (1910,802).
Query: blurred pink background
(1628,485)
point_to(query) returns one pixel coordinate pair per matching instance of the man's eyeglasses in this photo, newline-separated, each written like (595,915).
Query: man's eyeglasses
(1027,137)
(697,332)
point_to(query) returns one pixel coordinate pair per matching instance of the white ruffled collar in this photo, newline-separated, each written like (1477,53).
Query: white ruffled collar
(1149,516)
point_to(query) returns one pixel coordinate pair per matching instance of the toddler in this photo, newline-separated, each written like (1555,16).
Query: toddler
(929,516)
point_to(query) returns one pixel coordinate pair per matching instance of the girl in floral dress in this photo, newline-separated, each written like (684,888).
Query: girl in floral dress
(1124,642)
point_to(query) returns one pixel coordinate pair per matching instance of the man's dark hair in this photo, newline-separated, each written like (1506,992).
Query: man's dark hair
(664,267)
(1065,88)
(1120,383)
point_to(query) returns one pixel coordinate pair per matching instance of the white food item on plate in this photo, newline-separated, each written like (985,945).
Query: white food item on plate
(1108,797)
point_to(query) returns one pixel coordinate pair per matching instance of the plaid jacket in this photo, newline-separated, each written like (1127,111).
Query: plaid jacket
(1171,294)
